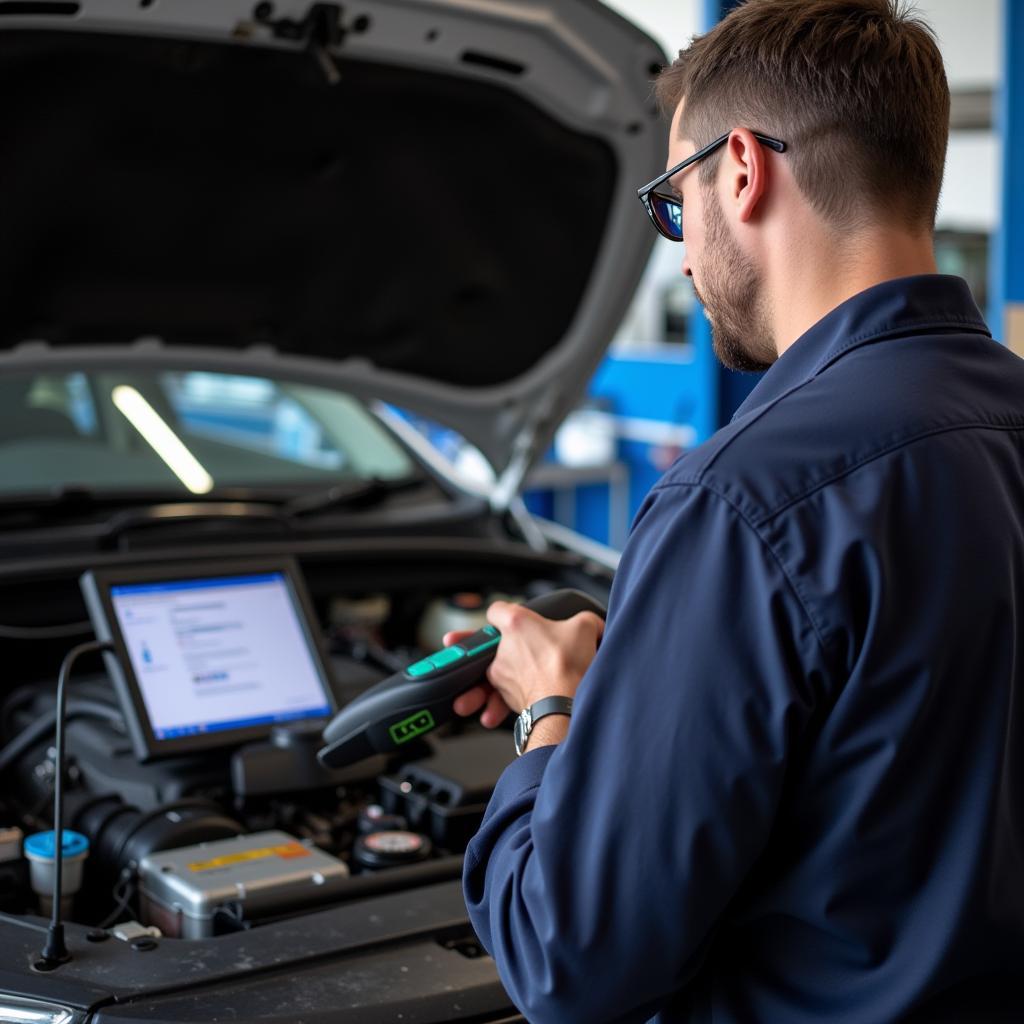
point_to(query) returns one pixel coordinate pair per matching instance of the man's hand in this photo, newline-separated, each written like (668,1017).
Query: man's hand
(536,658)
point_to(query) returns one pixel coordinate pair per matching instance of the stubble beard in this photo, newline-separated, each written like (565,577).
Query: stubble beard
(733,297)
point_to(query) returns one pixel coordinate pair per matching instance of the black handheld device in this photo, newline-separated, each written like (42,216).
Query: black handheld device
(419,699)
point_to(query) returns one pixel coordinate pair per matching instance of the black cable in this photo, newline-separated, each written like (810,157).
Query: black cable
(59,632)
(55,950)
(126,885)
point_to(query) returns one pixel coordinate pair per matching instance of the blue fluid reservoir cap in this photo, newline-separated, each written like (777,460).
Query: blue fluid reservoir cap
(42,844)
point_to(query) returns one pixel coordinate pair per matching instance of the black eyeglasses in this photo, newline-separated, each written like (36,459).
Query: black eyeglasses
(665,208)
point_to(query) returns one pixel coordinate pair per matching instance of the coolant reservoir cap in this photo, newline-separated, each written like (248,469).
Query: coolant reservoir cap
(390,849)
(42,845)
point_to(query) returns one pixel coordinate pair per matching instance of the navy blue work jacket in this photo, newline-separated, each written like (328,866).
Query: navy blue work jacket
(793,785)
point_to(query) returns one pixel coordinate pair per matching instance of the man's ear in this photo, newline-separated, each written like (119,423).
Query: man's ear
(747,172)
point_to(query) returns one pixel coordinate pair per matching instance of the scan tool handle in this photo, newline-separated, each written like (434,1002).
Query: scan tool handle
(419,699)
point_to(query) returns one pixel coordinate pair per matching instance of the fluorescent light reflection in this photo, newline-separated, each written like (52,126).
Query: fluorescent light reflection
(33,1011)
(164,441)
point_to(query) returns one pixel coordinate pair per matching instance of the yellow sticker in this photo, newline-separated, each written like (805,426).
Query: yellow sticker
(286,851)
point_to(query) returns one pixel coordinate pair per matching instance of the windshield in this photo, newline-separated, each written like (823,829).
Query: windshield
(185,432)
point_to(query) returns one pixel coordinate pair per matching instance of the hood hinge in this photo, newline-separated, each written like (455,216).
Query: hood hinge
(322,30)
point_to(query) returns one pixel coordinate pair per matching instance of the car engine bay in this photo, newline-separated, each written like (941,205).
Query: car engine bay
(242,836)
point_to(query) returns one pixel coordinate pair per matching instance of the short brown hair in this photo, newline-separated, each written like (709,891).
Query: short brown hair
(856,88)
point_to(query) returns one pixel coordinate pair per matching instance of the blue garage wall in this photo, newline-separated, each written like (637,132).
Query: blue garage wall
(1006,276)
(659,403)
(659,388)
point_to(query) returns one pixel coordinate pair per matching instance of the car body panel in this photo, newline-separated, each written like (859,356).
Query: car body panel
(235,212)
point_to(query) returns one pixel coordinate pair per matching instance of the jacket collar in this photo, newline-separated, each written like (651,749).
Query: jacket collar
(907,305)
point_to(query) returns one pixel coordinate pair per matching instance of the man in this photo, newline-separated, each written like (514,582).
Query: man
(791,788)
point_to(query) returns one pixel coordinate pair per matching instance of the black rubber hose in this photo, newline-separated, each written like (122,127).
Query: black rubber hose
(14,700)
(60,631)
(79,707)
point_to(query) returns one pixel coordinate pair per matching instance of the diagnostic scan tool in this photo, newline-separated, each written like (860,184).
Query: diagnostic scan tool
(419,699)
(209,656)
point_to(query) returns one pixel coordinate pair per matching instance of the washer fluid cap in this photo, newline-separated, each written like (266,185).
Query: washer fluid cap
(41,846)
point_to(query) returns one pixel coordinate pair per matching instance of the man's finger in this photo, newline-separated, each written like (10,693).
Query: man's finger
(470,702)
(506,615)
(455,636)
(591,622)
(495,713)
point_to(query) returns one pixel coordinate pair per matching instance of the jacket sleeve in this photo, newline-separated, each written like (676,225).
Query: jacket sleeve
(603,863)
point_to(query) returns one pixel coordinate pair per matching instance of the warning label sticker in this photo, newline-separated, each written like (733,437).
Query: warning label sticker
(286,851)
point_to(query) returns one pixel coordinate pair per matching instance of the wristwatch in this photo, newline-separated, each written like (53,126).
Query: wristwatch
(530,716)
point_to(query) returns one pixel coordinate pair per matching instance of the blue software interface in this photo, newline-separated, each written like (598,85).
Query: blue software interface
(219,653)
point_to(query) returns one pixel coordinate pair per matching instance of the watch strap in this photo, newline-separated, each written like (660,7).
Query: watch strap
(550,706)
(534,713)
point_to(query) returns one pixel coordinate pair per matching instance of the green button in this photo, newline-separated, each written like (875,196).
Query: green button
(446,657)
(487,646)
(421,668)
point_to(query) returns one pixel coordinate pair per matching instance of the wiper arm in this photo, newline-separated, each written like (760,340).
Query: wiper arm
(74,498)
(365,494)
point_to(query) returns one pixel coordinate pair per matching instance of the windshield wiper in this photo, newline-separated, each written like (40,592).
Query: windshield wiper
(221,513)
(149,510)
(362,495)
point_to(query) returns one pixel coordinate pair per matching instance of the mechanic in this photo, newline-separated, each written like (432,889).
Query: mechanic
(792,784)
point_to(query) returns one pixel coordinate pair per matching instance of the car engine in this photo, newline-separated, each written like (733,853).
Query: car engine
(229,838)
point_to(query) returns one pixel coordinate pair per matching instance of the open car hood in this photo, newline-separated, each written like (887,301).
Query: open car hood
(427,202)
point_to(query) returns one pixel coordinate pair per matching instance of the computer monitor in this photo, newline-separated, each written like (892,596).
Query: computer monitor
(209,655)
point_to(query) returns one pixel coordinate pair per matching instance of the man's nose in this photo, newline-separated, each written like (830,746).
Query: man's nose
(687,272)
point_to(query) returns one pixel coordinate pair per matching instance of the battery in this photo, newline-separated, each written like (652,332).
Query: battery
(182,891)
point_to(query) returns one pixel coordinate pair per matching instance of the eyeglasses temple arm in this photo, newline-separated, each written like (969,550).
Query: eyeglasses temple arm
(765,140)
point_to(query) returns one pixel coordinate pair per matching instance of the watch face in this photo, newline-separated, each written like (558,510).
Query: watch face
(519,734)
